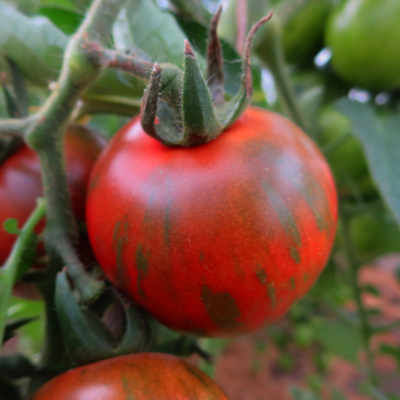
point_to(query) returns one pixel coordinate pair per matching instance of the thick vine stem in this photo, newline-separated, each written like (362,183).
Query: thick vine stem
(46,138)
(111,58)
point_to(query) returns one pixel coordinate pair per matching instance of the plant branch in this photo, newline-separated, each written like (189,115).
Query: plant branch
(16,126)
(46,138)
(15,262)
(270,52)
(366,328)
(114,59)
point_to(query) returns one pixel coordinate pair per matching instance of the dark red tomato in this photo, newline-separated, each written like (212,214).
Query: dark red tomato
(145,376)
(20,180)
(216,239)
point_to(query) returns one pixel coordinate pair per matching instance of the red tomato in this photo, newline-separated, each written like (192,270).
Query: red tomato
(145,376)
(216,239)
(20,180)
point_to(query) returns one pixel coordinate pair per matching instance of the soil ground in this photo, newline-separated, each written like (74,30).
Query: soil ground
(248,374)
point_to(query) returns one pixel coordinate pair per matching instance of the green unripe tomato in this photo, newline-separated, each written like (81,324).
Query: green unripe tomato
(345,154)
(364,37)
(309,88)
(303,30)
(375,233)
(227,27)
(304,335)
(301,24)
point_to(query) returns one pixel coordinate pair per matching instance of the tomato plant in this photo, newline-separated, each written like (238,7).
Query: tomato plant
(225,232)
(20,180)
(145,376)
(208,216)
(356,33)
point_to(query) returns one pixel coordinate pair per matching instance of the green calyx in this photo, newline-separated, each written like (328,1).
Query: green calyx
(186,108)
(90,333)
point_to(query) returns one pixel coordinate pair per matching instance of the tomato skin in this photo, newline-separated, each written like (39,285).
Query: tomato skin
(216,239)
(20,180)
(356,34)
(145,376)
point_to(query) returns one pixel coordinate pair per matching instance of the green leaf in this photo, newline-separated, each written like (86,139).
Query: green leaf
(194,10)
(65,19)
(37,46)
(371,289)
(11,226)
(337,395)
(11,104)
(116,88)
(31,335)
(381,142)
(338,337)
(70,5)
(14,326)
(392,351)
(198,35)
(149,29)
(302,394)
(18,261)
(20,90)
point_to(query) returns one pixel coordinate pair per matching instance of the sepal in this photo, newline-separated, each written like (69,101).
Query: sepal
(87,337)
(184,108)
(171,342)
(199,119)
(215,64)
(235,107)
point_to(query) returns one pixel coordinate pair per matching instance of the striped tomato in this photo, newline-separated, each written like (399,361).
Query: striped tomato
(146,376)
(21,184)
(216,239)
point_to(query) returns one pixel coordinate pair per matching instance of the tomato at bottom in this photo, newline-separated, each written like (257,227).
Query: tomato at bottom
(145,376)
(217,239)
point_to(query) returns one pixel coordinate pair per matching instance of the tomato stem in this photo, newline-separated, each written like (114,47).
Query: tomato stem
(190,108)
(274,59)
